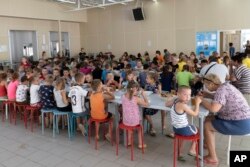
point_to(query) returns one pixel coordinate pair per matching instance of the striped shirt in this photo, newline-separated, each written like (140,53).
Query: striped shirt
(178,120)
(242,75)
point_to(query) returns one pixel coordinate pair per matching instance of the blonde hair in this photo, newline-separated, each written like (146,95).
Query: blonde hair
(60,83)
(49,79)
(213,78)
(95,84)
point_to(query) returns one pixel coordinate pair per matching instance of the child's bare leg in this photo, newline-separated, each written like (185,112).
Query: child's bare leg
(129,137)
(193,148)
(51,119)
(148,118)
(97,125)
(78,121)
(163,115)
(180,147)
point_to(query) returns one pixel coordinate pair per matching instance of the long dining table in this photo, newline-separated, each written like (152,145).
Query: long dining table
(158,102)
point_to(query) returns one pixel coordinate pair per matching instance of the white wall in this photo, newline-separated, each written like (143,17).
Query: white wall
(115,27)
(169,24)
(42,28)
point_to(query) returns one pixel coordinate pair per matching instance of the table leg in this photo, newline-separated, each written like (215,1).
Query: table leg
(201,142)
(6,111)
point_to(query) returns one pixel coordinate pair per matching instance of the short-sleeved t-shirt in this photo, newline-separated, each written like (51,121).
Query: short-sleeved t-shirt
(21,93)
(242,75)
(77,95)
(11,90)
(180,66)
(234,105)
(246,62)
(183,78)
(47,96)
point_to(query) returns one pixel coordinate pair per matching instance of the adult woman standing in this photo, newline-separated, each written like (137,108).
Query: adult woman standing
(233,114)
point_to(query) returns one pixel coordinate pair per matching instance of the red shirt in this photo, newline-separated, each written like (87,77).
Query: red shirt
(3,91)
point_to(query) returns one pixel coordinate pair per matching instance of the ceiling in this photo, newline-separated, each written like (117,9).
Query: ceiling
(77,5)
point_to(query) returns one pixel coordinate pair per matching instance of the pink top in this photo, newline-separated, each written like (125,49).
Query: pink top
(130,109)
(11,89)
(85,70)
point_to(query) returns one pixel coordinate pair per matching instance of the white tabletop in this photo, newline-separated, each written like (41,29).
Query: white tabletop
(156,102)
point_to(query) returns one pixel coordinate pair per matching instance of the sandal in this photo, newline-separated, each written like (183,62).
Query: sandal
(144,146)
(81,127)
(152,132)
(192,154)
(181,158)
(170,135)
(210,162)
(108,138)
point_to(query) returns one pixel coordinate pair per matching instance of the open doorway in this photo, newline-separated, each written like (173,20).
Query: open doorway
(22,43)
(237,37)
(54,43)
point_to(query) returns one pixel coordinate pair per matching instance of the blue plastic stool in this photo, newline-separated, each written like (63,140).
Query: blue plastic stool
(43,111)
(73,118)
(55,121)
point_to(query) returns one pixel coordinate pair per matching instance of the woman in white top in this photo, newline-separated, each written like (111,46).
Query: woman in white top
(62,102)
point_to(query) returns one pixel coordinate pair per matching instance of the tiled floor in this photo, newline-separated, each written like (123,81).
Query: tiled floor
(20,147)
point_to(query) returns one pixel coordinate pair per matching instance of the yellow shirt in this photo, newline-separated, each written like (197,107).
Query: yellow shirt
(180,66)
(220,61)
(246,62)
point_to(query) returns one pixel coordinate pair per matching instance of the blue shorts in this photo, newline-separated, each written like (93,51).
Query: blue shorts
(230,127)
(186,131)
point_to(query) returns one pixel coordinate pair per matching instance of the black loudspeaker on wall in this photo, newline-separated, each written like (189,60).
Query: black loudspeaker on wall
(138,14)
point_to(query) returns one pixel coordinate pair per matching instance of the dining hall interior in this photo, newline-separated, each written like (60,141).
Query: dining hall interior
(124,83)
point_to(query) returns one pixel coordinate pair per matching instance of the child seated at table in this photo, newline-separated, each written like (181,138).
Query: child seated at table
(12,86)
(97,104)
(22,91)
(155,87)
(130,76)
(34,89)
(88,79)
(179,112)
(77,95)
(47,98)
(111,82)
(130,108)
(3,86)
(61,99)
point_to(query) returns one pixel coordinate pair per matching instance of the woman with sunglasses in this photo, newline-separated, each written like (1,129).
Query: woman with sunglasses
(232,114)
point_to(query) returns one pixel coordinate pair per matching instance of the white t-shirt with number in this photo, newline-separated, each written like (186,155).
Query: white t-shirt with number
(77,95)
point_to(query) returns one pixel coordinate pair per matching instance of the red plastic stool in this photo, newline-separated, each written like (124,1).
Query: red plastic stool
(31,109)
(99,121)
(194,138)
(18,106)
(8,104)
(127,128)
